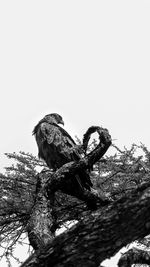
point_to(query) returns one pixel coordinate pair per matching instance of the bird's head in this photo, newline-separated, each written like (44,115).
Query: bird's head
(54,118)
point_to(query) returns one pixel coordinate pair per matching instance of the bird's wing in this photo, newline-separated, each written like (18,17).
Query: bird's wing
(70,144)
(48,132)
(58,137)
(57,147)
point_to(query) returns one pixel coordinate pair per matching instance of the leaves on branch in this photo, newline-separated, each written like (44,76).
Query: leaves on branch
(113,177)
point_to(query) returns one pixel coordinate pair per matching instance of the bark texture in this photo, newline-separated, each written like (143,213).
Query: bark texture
(42,222)
(134,256)
(100,234)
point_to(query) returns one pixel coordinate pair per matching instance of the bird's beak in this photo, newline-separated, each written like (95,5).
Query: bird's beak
(62,122)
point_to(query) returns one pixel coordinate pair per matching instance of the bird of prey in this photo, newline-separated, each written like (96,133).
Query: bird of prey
(56,147)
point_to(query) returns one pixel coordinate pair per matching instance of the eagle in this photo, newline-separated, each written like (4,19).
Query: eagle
(56,147)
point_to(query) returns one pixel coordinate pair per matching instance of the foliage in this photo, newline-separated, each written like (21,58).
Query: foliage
(114,175)
(16,193)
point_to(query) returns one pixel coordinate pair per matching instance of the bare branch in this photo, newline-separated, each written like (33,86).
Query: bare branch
(134,256)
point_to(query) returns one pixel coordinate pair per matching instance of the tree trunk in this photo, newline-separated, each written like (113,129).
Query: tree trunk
(100,234)
(40,224)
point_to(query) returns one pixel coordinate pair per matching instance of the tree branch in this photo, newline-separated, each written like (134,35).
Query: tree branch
(134,256)
(42,221)
(64,178)
(101,234)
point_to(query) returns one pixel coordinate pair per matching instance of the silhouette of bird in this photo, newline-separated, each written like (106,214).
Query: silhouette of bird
(56,147)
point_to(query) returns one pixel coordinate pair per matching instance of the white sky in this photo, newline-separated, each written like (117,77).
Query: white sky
(87,60)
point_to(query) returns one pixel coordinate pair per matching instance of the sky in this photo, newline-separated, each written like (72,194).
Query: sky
(89,61)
